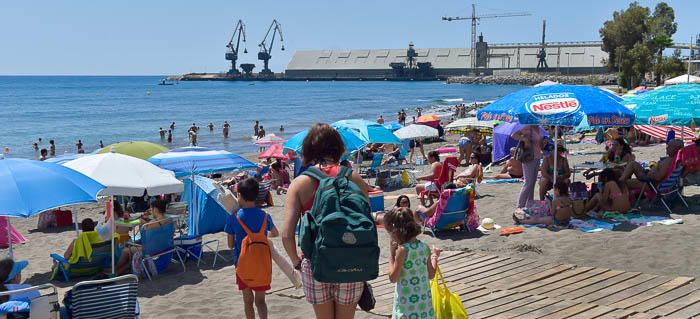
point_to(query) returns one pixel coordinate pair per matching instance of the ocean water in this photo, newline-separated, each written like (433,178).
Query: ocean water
(126,108)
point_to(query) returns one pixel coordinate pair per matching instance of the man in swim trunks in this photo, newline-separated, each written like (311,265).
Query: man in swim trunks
(655,174)
(435,170)
(226,128)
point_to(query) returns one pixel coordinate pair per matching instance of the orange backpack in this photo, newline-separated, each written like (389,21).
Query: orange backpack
(255,261)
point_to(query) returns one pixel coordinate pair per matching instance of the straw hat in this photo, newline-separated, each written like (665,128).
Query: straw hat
(488,224)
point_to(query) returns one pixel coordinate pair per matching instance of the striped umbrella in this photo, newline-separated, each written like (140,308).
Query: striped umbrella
(199,160)
(661,131)
(270,140)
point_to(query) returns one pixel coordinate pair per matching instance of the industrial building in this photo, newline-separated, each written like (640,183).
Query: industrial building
(439,63)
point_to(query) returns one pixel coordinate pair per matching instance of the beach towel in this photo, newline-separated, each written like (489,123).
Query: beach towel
(591,225)
(503,181)
(441,204)
(17,238)
(83,246)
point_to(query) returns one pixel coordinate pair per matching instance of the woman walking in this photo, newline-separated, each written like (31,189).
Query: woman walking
(531,140)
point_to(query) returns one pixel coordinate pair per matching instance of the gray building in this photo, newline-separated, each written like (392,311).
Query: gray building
(562,57)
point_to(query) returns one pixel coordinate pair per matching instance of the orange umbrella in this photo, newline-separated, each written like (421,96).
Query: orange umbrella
(428,118)
(275,151)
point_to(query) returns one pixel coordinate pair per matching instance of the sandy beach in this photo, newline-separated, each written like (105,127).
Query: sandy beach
(211,292)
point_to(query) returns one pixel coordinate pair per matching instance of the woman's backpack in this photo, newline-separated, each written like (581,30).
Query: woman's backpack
(338,234)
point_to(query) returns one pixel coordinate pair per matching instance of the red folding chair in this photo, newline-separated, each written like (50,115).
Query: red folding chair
(447,173)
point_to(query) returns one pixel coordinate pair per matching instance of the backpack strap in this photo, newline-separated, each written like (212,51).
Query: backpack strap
(344,172)
(245,228)
(315,173)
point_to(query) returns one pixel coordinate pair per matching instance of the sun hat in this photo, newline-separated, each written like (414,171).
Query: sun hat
(487,223)
(16,269)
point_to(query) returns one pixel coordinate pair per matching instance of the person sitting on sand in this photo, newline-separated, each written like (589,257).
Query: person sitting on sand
(513,168)
(657,173)
(619,152)
(613,197)
(474,173)
(560,212)
(401,202)
(159,220)
(547,170)
(10,278)
(280,178)
(435,170)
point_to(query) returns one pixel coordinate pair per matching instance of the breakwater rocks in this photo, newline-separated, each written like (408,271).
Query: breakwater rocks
(532,79)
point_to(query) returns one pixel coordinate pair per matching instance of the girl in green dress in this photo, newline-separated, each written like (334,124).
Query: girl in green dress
(411,266)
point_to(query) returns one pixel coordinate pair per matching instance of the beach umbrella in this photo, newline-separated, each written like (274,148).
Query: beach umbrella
(545,83)
(661,132)
(123,175)
(352,142)
(502,142)
(369,132)
(392,126)
(270,140)
(685,78)
(559,105)
(275,151)
(60,160)
(470,123)
(138,149)
(199,160)
(30,187)
(672,105)
(416,131)
(431,120)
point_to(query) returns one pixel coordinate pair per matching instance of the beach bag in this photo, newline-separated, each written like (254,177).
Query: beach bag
(367,300)
(338,234)
(538,208)
(46,220)
(445,304)
(523,153)
(578,190)
(254,266)
(691,159)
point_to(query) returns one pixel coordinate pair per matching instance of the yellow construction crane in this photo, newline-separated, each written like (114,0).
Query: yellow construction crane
(475,19)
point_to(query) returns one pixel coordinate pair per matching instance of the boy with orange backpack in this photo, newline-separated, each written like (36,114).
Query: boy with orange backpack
(247,232)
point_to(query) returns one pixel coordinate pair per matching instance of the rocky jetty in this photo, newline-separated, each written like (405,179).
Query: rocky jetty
(532,79)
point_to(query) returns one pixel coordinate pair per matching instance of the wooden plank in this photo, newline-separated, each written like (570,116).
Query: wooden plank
(468,295)
(607,291)
(545,290)
(556,278)
(619,313)
(588,289)
(585,283)
(544,311)
(663,299)
(532,278)
(486,298)
(510,274)
(639,290)
(593,313)
(496,311)
(676,305)
(383,279)
(475,266)
(571,311)
(527,308)
(641,315)
(497,303)
(631,301)
(691,311)
(488,272)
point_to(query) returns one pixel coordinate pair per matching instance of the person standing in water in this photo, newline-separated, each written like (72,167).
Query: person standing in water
(256,128)
(281,128)
(43,154)
(380,120)
(102,144)
(35,146)
(211,127)
(226,128)
(79,145)
(162,133)
(170,136)
(261,132)
(52,148)
(172,126)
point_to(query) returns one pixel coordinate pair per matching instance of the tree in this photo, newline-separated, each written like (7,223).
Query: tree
(635,40)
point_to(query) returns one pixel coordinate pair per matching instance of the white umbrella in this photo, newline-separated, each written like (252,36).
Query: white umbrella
(469,123)
(416,131)
(123,175)
(545,83)
(685,78)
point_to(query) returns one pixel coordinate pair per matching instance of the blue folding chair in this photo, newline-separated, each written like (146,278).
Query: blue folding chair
(99,259)
(158,246)
(454,215)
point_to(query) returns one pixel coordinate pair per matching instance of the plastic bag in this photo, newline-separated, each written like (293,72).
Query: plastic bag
(446,304)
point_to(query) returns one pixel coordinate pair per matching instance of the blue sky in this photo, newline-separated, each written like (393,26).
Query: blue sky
(177,36)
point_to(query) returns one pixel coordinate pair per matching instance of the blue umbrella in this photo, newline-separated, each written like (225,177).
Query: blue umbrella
(30,187)
(64,158)
(370,132)
(392,126)
(352,142)
(671,105)
(199,160)
(562,105)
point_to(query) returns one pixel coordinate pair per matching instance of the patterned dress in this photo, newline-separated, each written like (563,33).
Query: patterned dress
(412,298)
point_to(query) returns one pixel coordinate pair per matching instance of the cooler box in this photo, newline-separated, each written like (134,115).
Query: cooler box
(64,218)
(376,200)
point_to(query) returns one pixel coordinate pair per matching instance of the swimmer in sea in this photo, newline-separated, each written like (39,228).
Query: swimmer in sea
(162,133)
(211,126)
(43,154)
(281,128)
(35,146)
(170,136)
(52,148)
(79,145)
(226,128)
(102,144)
(172,126)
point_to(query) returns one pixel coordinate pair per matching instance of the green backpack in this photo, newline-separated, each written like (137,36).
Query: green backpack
(338,234)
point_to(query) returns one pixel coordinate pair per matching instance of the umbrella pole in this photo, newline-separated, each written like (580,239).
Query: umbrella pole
(554,170)
(194,211)
(111,228)
(9,238)
(75,223)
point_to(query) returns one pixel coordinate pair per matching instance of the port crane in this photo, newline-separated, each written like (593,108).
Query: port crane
(232,51)
(475,20)
(542,55)
(266,48)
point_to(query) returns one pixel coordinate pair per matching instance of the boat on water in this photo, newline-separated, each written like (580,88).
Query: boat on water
(166,82)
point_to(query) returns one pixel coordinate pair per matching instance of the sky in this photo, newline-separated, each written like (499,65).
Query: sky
(168,37)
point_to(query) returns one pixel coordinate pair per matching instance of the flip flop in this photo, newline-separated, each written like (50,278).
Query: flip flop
(512,230)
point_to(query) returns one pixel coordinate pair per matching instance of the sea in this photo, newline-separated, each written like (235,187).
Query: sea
(132,108)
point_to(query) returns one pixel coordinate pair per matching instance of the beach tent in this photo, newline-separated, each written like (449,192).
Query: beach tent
(31,187)
(682,79)
(191,160)
(416,131)
(138,149)
(470,123)
(502,142)
(209,215)
(369,132)
(8,234)
(673,105)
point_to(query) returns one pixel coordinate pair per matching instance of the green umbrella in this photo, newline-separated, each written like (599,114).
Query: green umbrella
(673,105)
(138,149)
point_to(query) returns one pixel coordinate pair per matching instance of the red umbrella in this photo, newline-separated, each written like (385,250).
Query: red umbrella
(270,140)
(275,151)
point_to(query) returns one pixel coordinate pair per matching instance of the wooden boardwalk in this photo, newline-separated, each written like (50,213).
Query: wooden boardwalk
(505,287)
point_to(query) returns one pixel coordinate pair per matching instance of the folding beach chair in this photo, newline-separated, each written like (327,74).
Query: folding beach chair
(101,256)
(671,184)
(374,168)
(452,211)
(158,247)
(447,173)
(45,306)
(264,196)
(114,298)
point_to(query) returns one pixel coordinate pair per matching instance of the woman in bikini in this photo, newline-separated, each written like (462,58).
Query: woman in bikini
(563,170)
(474,173)
(513,168)
(614,195)
(561,210)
